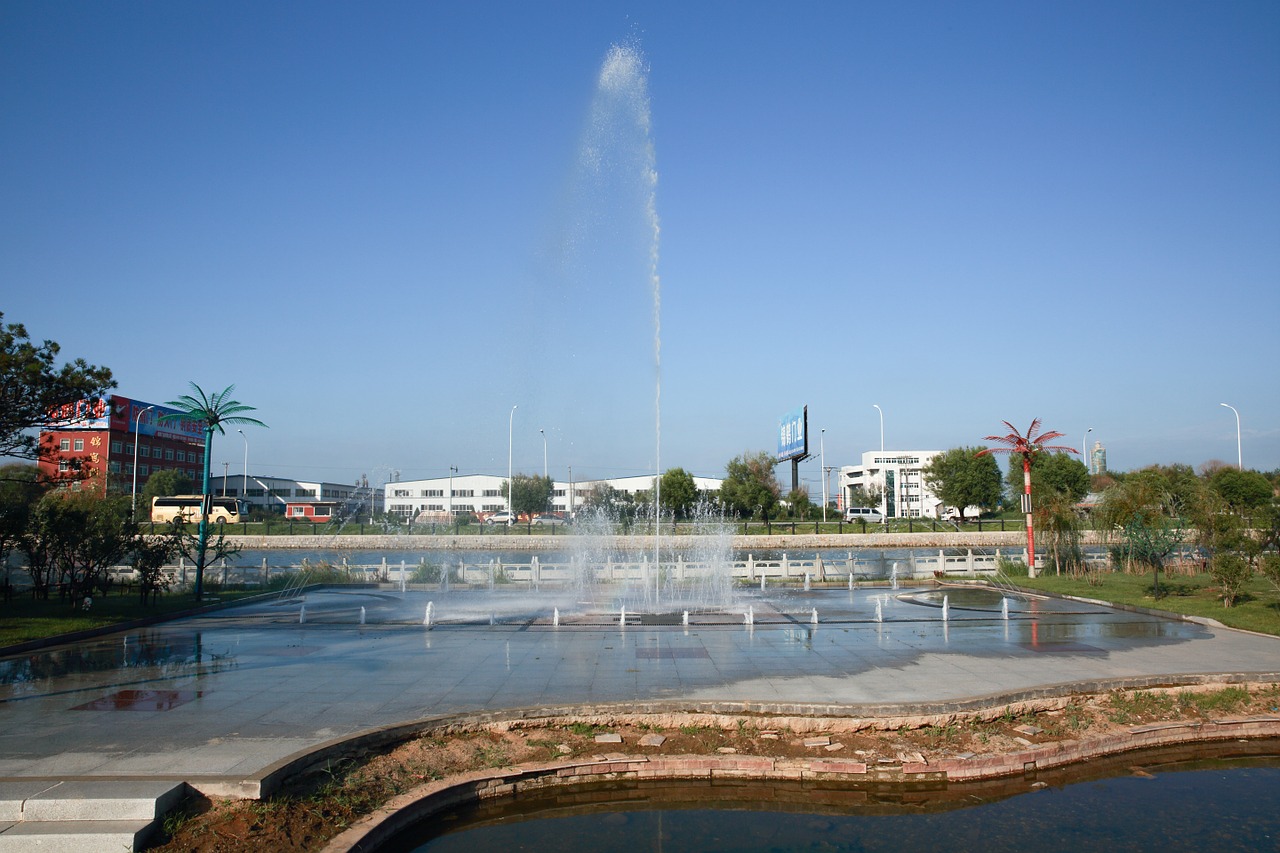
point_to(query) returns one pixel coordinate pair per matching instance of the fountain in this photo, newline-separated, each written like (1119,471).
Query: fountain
(946,607)
(362,615)
(302,615)
(1004,609)
(893,577)
(806,582)
(426,618)
(814,618)
(879,609)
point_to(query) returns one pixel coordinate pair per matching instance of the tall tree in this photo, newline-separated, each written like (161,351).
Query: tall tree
(1052,473)
(679,492)
(33,390)
(962,478)
(1027,446)
(750,485)
(529,494)
(164,483)
(20,487)
(214,412)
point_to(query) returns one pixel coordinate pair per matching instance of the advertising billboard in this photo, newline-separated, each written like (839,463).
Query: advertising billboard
(126,415)
(793,434)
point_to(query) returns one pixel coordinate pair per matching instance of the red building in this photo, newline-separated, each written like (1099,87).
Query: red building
(94,445)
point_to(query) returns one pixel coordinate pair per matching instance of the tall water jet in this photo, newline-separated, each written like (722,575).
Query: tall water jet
(893,577)
(426,617)
(946,608)
(879,609)
(1004,609)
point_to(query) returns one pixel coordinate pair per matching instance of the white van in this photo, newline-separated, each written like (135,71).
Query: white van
(869,514)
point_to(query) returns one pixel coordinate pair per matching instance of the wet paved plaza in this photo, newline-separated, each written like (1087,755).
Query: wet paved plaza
(227,694)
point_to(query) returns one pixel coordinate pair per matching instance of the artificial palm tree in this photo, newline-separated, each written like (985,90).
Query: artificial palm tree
(213,411)
(1027,446)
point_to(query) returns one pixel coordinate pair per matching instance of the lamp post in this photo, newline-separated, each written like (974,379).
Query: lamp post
(543,432)
(822,463)
(511,420)
(453,469)
(137,419)
(244,483)
(1084,451)
(1239,455)
(881,411)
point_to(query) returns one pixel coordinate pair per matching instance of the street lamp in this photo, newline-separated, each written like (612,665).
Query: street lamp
(881,411)
(822,463)
(136,420)
(511,419)
(1084,451)
(244,484)
(544,453)
(1239,456)
(453,469)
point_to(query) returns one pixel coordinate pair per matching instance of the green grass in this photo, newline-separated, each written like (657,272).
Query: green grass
(1192,595)
(24,619)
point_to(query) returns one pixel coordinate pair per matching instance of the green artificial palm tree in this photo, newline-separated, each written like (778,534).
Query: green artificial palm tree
(213,411)
(1027,446)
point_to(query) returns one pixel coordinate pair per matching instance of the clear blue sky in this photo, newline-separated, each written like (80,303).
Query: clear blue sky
(366,217)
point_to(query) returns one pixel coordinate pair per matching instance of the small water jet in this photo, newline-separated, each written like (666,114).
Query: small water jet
(851,581)
(622,617)
(893,577)
(749,618)
(879,609)
(361,615)
(1004,609)
(814,618)
(426,617)
(946,608)
(806,582)
(685,620)
(555,618)
(302,615)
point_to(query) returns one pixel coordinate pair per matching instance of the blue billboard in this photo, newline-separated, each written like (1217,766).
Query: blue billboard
(793,434)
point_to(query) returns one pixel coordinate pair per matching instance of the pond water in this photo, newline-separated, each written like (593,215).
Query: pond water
(1219,805)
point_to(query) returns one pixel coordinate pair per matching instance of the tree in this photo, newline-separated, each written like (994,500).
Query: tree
(1243,490)
(679,492)
(213,411)
(1053,473)
(962,478)
(1028,447)
(76,537)
(798,501)
(163,484)
(33,391)
(20,487)
(529,494)
(1151,540)
(750,485)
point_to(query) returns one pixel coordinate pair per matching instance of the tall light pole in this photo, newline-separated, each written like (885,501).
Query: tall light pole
(136,420)
(244,483)
(822,463)
(881,411)
(1084,451)
(1239,455)
(543,433)
(453,469)
(511,420)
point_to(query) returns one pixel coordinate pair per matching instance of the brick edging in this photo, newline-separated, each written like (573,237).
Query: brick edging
(433,797)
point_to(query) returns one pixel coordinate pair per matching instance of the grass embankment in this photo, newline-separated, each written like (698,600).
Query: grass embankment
(1191,594)
(24,619)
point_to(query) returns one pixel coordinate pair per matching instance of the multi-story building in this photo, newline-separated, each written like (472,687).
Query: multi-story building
(112,444)
(1098,459)
(480,494)
(897,477)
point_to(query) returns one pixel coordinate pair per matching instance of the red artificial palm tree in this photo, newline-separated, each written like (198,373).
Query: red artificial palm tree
(1026,446)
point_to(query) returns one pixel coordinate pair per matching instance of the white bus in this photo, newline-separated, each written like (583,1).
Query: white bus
(187,507)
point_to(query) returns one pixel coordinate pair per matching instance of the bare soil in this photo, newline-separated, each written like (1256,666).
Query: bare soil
(314,809)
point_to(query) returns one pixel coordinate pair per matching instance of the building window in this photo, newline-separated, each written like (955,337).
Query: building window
(182,456)
(64,444)
(79,444)
(304,493)
(64,465)
(117,447)
(489,493)
(113,467)
(143,471)
(253,493)
(168,454)
(466,493)
(433,493)
(144,450)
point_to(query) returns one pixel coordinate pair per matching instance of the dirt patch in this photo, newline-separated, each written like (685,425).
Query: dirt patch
(313,809)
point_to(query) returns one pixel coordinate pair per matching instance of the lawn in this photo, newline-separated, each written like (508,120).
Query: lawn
(1258,609)
(24,618)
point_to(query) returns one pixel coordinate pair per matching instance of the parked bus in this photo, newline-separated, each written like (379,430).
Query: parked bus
(164,510)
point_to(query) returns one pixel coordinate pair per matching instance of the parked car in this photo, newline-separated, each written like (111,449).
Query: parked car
(503,517)
(869,514)
(549,520)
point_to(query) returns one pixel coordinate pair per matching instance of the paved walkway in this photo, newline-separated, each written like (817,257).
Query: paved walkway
(224,696)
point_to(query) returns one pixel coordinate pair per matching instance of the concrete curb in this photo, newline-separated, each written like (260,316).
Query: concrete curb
(434,797)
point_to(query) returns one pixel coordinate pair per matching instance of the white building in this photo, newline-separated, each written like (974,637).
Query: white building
(896,475)
(275,493)
(480,494)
